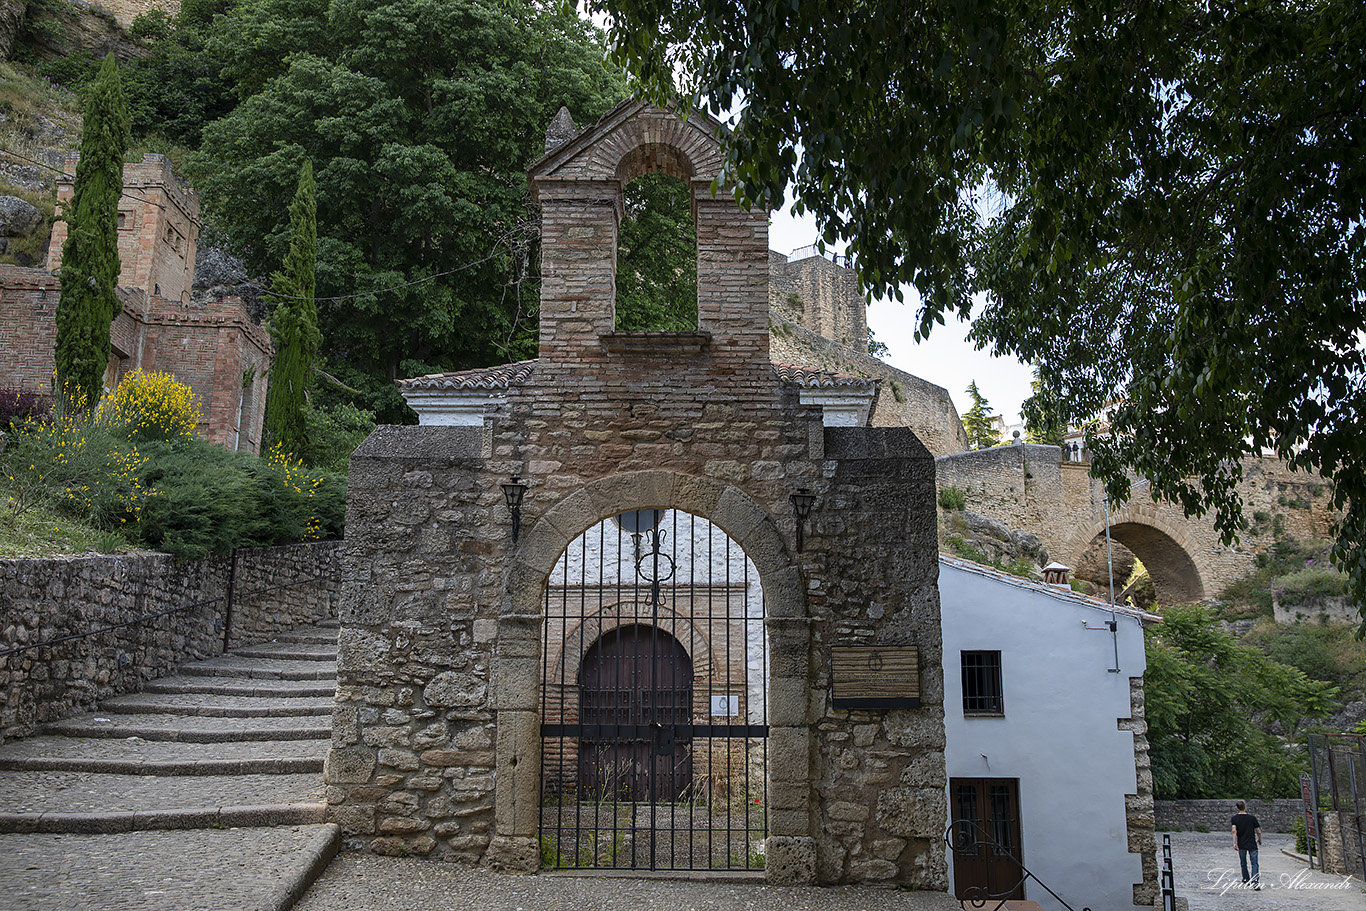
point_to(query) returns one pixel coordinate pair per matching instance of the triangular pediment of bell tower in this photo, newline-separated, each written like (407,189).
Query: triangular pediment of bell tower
(635,138)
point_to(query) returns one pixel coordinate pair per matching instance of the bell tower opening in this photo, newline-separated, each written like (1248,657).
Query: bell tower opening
(657,256)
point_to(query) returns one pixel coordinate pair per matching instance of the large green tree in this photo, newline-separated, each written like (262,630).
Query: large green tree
(294,323)
(420,117)
(657,256)
(90,257)
(1163,202)
(1210,704)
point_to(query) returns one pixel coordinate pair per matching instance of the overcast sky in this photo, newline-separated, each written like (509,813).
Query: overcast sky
(947,359)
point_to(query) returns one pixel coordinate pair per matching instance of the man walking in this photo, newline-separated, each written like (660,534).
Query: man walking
(1247,838)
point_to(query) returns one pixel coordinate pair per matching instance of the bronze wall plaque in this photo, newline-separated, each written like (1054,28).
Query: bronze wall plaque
(875,676)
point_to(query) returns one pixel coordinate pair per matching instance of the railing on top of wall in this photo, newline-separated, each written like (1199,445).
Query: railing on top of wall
(810,250)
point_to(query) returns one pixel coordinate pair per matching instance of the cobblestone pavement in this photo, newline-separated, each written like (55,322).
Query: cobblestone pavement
(198,870)
(1207,875)
(358,881)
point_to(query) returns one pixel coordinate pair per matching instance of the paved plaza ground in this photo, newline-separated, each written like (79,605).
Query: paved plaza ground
(1207,875)
(202,871)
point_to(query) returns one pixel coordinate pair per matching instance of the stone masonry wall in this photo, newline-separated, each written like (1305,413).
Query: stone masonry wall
(1190,815)
(44,600)
(819,295)
(902,400)
(1021,485)
(436,733)
(1138,807)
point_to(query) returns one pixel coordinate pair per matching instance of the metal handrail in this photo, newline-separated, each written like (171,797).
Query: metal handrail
(159,614)
(1168,875)
(977,896)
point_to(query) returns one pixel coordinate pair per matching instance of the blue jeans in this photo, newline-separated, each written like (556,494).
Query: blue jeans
(1243,856)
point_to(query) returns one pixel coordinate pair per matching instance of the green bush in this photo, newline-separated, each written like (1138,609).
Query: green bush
(208,500)
(185,496)
(333,433)
(953,499)
(80,468)
(1316,581)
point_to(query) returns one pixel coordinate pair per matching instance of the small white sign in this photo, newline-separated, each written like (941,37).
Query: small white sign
(725,706)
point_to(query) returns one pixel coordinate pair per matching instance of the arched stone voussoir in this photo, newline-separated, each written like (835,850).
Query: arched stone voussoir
(728,508)
(614,495)
(1191,580)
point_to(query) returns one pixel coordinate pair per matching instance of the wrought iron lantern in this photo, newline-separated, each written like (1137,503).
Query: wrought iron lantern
(802,501)
(513,491)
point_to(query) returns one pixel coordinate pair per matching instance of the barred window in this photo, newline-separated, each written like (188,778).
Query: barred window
(982,683)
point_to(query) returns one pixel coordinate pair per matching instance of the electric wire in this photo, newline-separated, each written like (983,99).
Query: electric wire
(72,177)
(262,288)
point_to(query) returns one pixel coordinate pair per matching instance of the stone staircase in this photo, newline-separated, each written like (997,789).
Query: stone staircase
(230,745)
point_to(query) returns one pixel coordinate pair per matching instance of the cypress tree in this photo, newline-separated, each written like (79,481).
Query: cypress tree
(90,256)
(977,421)
(294,324)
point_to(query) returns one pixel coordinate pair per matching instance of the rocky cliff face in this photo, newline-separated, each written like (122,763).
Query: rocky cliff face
(57,28)
(11,23)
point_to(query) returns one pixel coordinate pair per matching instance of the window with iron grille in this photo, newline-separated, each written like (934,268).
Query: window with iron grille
(982,683)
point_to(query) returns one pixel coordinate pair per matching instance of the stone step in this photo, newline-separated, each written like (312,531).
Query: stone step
(261,669)
(27,797)
(328,623)
(288,651)
(214,705)
(310,635)
(268,765)
(239,686)
(192,729)
(135,756)
(107,821)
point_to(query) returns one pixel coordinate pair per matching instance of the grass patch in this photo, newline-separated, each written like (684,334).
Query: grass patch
(45,532)
(954,499)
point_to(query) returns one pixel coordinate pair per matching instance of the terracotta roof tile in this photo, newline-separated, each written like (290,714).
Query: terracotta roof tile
(499,377)
(815,379)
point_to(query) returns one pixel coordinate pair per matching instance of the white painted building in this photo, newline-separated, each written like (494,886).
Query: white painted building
(1037,698)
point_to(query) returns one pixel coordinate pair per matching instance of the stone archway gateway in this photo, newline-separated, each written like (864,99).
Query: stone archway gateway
(440,745)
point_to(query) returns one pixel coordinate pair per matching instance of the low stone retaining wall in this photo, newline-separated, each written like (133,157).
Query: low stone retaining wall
(74,630)
(1190,815)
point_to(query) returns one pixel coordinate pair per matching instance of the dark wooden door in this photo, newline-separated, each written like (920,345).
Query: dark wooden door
(986,838)
(635,705)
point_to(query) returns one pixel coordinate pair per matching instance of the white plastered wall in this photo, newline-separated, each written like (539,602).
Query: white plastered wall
(1059,735)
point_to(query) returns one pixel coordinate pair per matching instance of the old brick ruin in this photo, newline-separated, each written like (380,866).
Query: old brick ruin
(437,732)
(209,343)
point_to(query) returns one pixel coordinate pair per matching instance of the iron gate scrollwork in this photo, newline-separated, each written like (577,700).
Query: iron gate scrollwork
(654,717)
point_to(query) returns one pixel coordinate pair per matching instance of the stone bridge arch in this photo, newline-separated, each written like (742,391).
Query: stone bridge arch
(1174,558)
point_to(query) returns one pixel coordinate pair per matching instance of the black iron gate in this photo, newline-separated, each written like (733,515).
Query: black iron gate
(653,706)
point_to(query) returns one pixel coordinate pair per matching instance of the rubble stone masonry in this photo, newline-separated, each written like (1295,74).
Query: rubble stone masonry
(50,599)
(436,734)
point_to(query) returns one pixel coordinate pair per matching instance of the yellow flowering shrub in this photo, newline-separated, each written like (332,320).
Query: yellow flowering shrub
(77,467)
(152,406)
(301,481)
